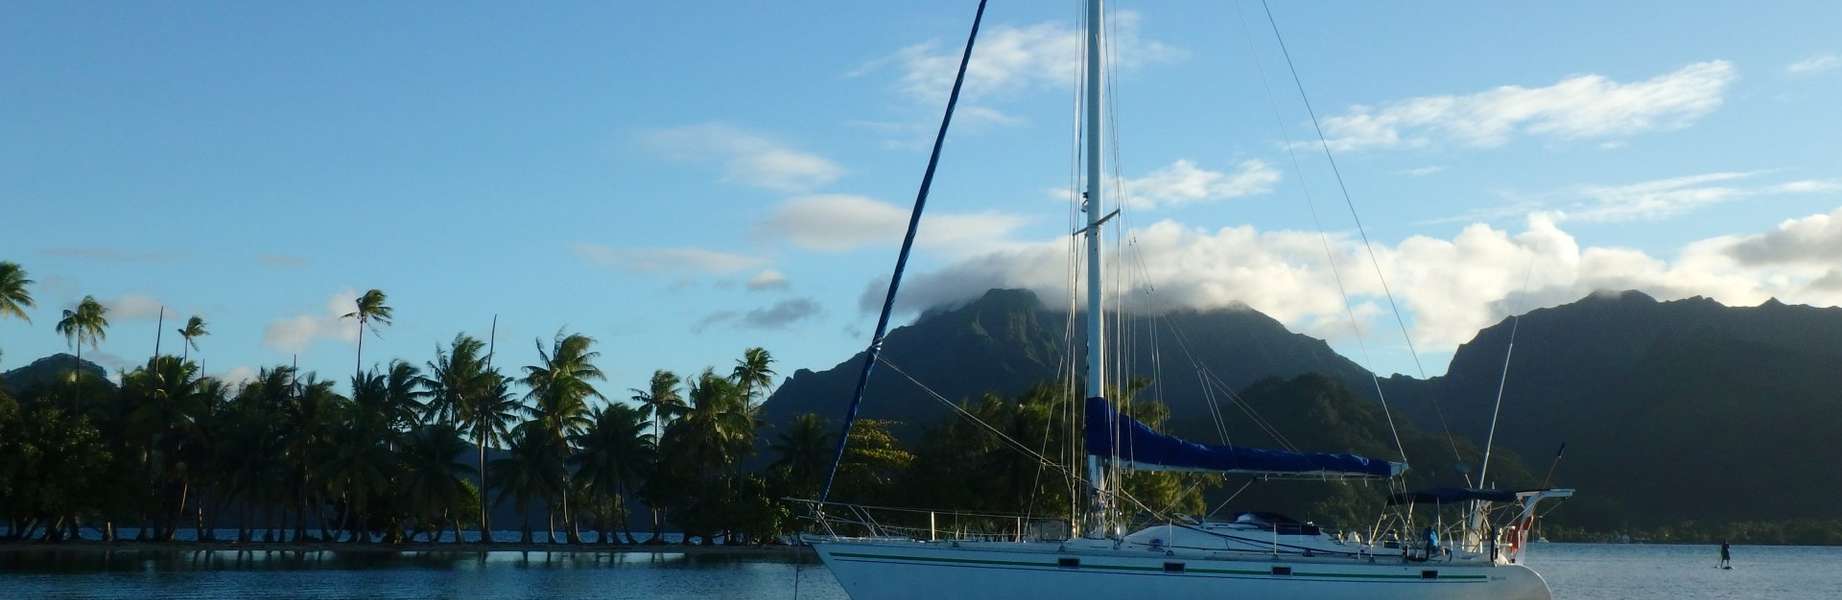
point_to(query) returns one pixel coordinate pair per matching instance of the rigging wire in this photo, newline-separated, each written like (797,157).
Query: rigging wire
(1503,380)
(1324,143)
(1330,260)
(901,261)
(1014,444)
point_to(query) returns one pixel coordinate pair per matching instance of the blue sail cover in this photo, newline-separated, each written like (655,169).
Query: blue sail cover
(1138,446)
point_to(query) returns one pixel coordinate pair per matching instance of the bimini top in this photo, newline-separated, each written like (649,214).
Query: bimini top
(1451,495)
(1136,445)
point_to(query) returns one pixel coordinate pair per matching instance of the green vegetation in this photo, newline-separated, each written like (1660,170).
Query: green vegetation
(287,457)
(1667,442)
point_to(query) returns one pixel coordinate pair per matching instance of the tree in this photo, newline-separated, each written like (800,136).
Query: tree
(194,329)
(372,313)
(530,469)
(433,483)
(253,449)
(802,454)
(660,400)
(873,462)
(754,372)
(561,385)
(308,439)
(700,453)
(165,402)
(14,297)
(360,464)
(66,460)
(87,322)
(392,398)
(476,399)
(615,451)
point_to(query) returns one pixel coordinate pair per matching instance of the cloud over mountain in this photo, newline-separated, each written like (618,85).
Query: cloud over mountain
(1448,288)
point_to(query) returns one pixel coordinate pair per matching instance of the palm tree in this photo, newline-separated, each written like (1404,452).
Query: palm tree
(705,445)
(392,399)
(615,451)
(372,312)
(87,322)
(164,402)
(14,297)
(719,421)
(661,402)
(433,483)
(312,425)
(476,399)
(558,401)
(754,372)
(403,394)
(359,462)
(254,447)
(194,329)
(802,452)
(562,385)
(530,469)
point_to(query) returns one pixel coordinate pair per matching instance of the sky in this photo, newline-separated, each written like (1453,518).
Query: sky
(681,181)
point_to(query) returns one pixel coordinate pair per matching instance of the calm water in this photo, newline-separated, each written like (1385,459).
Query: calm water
(1576,572)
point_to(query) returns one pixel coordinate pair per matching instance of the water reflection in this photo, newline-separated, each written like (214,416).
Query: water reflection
(54,560)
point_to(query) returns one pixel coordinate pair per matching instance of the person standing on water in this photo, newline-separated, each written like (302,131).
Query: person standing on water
(1726,555)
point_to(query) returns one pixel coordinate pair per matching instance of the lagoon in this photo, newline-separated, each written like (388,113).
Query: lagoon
(1574,571)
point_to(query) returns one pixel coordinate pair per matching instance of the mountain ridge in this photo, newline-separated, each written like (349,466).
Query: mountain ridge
(1662,403)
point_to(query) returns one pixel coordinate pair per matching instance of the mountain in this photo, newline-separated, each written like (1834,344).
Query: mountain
(48,370)
(1672,411)
(1007,341)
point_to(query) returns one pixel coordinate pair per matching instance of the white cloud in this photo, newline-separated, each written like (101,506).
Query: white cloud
(768,279)
(747,158)
(1423,171)
(1815,64)
(1011,59)
(666,260)
(133,306)
(1664,198)
(237,376)
(1449,288)
(1651,200)
(296,333)
(1185,183)
(1578,107)
(840,222)
(1815,240)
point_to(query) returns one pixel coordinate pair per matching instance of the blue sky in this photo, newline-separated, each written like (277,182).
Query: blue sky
(683,180)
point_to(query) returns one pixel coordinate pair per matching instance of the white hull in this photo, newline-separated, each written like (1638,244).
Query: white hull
(899,570)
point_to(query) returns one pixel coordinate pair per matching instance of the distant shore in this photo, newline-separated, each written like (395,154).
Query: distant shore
(751,551)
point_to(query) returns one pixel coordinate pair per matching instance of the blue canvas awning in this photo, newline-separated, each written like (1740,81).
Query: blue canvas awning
(1137,446)
(1454,495)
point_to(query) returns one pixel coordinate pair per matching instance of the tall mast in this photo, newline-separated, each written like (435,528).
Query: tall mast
(1094,527)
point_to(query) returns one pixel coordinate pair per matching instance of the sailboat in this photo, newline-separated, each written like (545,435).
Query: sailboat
(1252,555)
